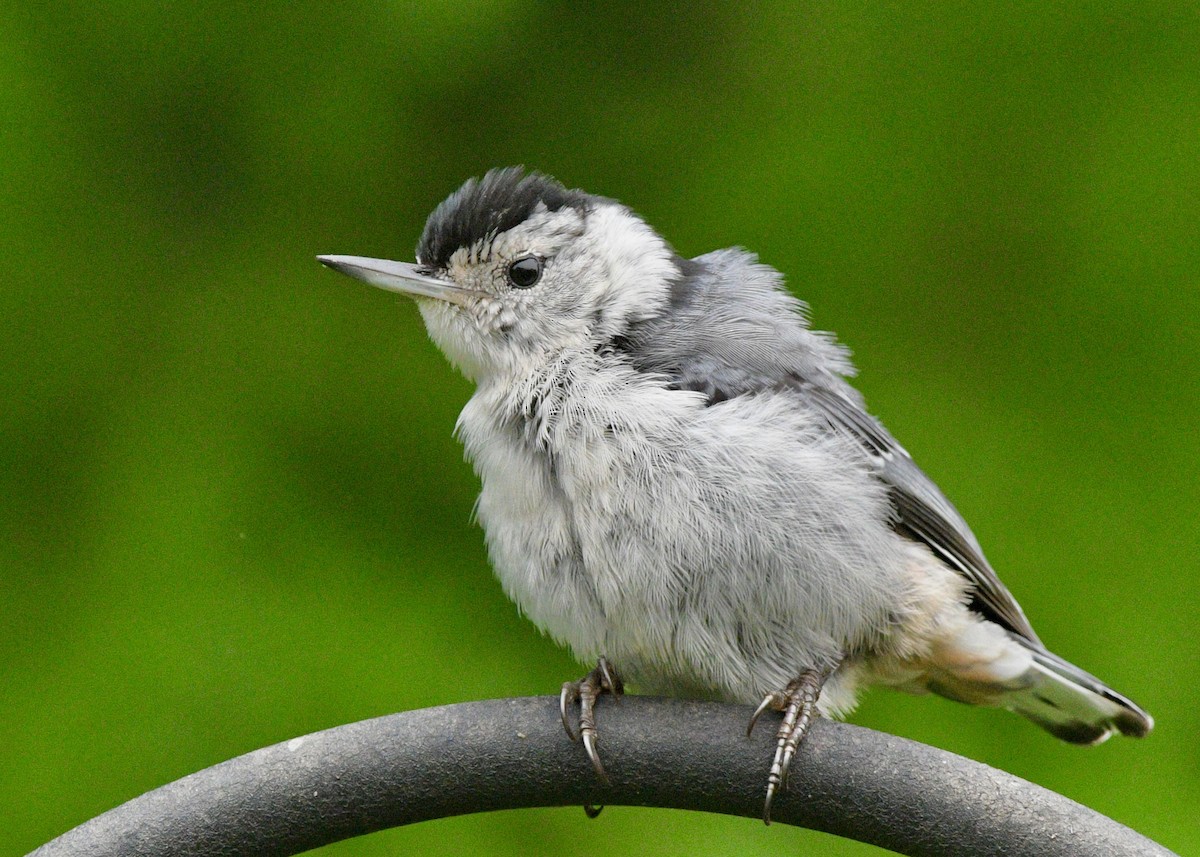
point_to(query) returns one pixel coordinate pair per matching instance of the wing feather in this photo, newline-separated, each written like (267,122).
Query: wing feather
(922,512)
(732,330)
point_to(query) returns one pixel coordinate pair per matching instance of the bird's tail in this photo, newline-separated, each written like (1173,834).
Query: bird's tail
(985,664)
(1072,704)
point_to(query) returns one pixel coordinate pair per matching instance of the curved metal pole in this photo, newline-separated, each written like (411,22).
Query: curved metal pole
(512,753)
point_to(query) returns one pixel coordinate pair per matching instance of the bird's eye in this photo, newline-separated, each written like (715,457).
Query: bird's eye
(525,272)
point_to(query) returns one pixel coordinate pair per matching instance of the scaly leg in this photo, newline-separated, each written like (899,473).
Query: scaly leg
(602,679)
(798,702)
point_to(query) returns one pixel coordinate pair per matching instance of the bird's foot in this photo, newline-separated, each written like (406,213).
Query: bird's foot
(798,702)
(602,679)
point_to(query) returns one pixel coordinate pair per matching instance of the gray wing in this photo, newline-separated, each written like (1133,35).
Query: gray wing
(731,330)
(922,512)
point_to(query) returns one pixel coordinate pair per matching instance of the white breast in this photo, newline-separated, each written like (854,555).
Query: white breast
(704,549)
(527,519)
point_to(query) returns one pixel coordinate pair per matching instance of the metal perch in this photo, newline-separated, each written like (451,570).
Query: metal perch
(512,753)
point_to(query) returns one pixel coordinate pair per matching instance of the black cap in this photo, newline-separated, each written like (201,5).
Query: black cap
(483,208)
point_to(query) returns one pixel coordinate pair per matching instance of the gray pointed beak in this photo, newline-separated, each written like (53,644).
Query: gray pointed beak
(397,277)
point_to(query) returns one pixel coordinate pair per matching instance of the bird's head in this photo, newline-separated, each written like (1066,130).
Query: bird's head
(514,267)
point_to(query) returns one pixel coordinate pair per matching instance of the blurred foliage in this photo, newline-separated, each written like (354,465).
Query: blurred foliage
(233,511)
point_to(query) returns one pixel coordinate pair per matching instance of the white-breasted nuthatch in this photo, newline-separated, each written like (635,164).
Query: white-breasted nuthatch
(677,477)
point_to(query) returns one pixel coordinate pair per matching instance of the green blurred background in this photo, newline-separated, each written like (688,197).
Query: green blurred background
(233,511)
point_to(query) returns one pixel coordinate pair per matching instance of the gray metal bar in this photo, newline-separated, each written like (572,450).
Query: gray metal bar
(512,753)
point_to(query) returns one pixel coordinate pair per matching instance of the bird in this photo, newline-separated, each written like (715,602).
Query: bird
(680,484)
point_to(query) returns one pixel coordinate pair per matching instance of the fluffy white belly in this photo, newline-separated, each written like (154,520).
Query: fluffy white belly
(705,550)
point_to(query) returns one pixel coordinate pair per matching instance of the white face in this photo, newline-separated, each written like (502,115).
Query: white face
(599,272)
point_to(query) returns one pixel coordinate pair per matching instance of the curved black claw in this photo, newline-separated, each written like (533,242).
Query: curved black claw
(798,702)
(775,699)
(602,679)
